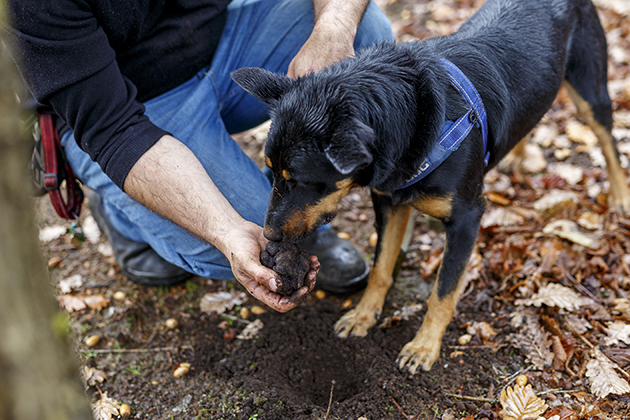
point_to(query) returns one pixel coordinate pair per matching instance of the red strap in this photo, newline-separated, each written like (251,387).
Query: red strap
(53,155)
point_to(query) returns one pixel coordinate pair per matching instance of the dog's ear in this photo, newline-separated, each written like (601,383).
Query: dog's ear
(348,150)
(261,83)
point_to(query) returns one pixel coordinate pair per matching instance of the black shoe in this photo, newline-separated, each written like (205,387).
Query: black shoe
(138,261)
(343,270)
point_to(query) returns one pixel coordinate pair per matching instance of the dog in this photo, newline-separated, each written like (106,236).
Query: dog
(420,123)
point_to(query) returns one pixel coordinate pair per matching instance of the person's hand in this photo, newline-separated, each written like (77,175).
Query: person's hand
(246,245)
(327,44)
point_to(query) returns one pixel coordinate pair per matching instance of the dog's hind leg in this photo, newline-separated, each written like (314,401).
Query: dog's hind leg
(586,78)
(512,161)
(461,233)
(391,223)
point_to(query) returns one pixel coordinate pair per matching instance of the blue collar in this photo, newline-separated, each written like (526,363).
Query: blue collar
(453,133)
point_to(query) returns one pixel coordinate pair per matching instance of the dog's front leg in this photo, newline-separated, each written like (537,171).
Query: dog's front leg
(462,227)
(391,222)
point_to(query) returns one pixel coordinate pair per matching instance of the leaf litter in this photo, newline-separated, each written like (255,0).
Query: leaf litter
(566,297)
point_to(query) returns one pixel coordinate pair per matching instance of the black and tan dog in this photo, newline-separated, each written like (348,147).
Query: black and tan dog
(387,118)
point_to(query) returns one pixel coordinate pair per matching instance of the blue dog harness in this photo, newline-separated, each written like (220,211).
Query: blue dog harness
(454,133)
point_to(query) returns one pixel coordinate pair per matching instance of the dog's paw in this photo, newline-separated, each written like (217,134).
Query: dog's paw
(414,356)
(356,323)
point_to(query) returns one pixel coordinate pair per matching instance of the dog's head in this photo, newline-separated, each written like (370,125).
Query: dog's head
(315,148)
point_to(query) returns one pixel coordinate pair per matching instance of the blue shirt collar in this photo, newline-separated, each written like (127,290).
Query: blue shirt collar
(455,132)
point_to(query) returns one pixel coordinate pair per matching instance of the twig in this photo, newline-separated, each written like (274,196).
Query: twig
(332,387)
(400,408)
(556,391)
(466,397)
(235,318)
(481,346)
(578,285)
(99,351)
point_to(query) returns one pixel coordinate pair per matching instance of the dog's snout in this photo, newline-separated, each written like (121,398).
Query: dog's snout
(272,234)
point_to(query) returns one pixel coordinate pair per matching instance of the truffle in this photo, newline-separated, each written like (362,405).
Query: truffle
(290,261)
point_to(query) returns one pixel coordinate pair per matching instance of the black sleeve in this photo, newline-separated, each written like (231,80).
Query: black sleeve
(68,63)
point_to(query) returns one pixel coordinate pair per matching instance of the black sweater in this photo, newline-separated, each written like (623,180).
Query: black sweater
(94,61)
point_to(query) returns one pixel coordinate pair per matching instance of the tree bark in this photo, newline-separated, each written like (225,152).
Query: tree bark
(39,373)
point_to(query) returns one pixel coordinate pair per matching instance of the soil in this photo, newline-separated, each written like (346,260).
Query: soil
(294,367)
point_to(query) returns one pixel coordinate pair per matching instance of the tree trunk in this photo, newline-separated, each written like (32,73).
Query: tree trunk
(39,373)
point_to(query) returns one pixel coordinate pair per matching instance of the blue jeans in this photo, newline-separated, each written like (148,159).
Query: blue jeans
(203,112)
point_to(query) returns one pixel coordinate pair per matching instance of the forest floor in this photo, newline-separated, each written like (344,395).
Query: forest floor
(547,297)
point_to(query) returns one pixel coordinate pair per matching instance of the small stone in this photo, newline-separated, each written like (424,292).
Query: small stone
(320,294)
(521,380)
(343,235)
(257,310)
(119,295)
(171,323)
(92,340)
(347,304)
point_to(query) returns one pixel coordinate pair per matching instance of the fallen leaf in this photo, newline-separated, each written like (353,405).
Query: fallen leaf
(221,301)
(555,201)
(96,302)
(501,216)
(617,331)
(602,376)
(579,324)
(571,173)
(105,408)
(568,229)
(534,160)
(403,314)
(71,303)
(483,329)
(521,403)
(591,221)
(581,133)
(91,230)
(77,302)
(553,294)
(73,282)
(93,376)
(50,233)
(251,330)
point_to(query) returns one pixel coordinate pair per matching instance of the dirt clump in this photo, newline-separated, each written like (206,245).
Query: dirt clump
(290,261)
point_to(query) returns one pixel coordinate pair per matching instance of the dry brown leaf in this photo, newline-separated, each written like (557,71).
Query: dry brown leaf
(553,294)
(521,403)
(483,329)
(617,331)
(96,302)
(534,160)
(570,173)
(402,314)
(251,331)
(591,221)
(568,229)
(559,354)
(221,301)
(555,201)
(71,303)
(93,375)
(106,408)
(474,267)
(581,133)
(604,380)
(579,324)
(68,284)
(50,233)
(501,216)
